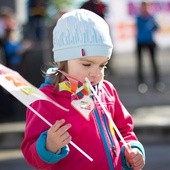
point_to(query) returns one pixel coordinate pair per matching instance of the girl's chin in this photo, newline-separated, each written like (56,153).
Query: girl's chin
(93,84)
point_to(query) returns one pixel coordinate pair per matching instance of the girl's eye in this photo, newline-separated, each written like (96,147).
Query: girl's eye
(87,65)
(103,66)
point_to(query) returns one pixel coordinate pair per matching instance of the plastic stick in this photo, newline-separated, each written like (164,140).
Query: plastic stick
(107,113)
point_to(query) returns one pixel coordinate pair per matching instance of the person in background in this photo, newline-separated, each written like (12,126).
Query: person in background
(14,47)
(13,50)
(146,26)
(36,19)
(82,47)
(2,29)
(96,6)
(2,37)
(6,24)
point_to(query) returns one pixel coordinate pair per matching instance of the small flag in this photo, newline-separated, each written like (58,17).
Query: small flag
(81,99)
(25,92)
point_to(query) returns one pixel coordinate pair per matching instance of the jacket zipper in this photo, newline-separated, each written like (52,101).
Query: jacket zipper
(109,134)
(101,131)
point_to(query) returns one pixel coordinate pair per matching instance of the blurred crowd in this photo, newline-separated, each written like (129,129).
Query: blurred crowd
(12,49)
(11,44)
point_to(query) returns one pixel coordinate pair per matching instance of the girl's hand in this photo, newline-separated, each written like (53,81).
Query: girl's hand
(134,158)
(58,136)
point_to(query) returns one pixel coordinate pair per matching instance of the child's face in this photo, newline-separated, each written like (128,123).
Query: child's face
(91,67)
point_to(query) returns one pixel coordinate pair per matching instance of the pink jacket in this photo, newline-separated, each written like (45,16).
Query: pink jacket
(94,136)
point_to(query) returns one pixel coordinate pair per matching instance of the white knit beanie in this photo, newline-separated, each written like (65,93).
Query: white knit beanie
(81,33)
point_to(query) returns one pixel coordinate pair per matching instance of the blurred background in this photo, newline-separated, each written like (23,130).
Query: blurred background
(26,45)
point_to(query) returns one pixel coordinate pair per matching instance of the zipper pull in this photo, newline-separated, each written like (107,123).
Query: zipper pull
(114,151)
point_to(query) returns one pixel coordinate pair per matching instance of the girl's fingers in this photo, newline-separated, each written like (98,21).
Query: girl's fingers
(63,129)
(128,148)
(65,136)
(60,130)
(57,125)
(66,140)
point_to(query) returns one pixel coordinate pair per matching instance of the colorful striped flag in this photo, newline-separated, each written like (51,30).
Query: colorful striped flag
(81,99)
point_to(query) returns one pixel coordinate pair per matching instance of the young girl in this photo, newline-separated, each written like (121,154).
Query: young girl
(82,47)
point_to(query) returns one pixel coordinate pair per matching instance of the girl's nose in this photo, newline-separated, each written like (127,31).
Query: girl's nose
(96,72)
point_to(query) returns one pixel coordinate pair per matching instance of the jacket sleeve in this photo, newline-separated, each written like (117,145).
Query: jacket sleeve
(35,135)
